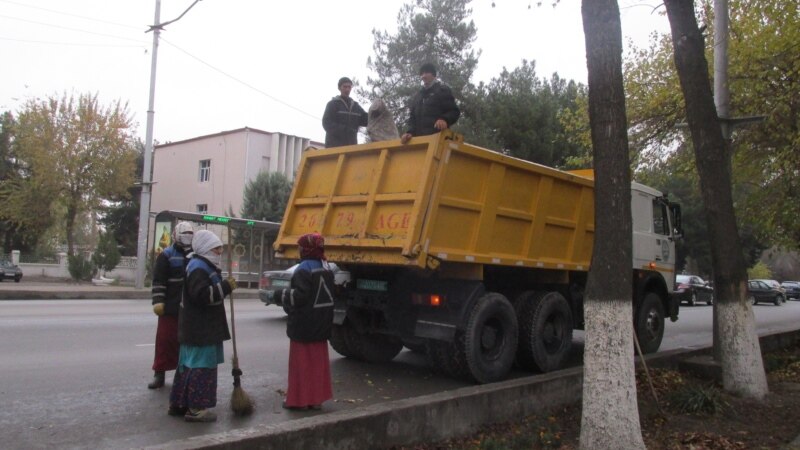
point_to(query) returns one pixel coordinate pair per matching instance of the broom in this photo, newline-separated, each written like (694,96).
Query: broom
(241,404)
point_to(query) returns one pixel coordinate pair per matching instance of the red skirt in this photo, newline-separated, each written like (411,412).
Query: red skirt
(167,346)
(309,374)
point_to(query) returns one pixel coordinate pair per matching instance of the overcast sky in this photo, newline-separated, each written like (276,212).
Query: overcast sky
(264,64)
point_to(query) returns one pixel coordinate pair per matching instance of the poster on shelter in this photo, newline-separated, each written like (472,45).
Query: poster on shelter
(163,237)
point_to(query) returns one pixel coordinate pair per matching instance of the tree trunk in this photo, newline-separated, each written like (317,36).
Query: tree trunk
(610,417)
(69,229)
(740,352)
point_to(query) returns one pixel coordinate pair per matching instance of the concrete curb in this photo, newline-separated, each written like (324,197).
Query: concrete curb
(434,417)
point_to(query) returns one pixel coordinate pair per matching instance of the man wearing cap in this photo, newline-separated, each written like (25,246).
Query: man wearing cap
(342,117)
(433,108)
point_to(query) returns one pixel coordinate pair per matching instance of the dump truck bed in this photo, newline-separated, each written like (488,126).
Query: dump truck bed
(438,200)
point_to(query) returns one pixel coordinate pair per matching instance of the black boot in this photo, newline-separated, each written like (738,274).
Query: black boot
(158,380)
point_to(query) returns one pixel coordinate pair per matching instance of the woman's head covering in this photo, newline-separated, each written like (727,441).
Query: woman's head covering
(182,234)
(203,242)
(312,246)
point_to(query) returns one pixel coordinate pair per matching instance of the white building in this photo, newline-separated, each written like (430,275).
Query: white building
(208,174)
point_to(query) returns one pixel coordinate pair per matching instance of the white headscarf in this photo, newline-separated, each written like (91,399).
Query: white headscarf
(182,234)
(202,244)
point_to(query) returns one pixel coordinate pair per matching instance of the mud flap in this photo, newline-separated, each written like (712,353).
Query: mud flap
(673,307)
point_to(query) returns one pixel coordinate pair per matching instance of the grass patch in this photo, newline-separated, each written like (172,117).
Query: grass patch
(694,399)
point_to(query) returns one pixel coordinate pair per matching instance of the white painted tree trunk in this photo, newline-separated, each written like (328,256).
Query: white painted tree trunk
(610,417)
(742,367)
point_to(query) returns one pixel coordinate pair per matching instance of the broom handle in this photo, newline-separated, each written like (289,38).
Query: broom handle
(235,361)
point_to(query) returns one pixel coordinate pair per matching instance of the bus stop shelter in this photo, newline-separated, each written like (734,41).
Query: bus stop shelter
(247,242)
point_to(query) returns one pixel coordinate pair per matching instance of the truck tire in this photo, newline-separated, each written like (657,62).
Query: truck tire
(650,323)
(490,338)
(448,357)
(340,334)
(373,347)
(545,331)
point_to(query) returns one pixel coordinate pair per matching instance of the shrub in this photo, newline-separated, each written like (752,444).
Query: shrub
(80,268)
(696,400)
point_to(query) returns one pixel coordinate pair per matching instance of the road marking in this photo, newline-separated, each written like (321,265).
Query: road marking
(145,345)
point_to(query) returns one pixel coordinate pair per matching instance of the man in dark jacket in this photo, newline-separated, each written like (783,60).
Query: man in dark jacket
(167,287)
(433,108)
(342,117)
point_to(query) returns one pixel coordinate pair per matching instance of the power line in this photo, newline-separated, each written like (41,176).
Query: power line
(71,29)
(31,41)
(72,15)
(244,83)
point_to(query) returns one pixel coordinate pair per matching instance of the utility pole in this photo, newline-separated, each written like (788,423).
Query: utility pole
(144,206)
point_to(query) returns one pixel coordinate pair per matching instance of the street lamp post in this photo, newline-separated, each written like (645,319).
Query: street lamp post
(144,206)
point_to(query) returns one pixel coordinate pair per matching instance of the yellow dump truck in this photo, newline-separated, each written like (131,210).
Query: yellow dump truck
(475,258)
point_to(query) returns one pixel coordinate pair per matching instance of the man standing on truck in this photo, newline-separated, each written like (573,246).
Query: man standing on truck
(433,108)
(342,117)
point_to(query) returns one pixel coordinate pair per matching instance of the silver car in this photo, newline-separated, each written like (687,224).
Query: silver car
(273,280)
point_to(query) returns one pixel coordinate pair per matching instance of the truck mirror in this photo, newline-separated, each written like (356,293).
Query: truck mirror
(677,226)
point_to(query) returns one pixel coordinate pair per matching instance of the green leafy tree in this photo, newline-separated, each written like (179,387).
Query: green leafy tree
(437,31)
(80,268)
(738,346)
(76,153)
(265,197)
(763,78)
(121,217)
(524,113)
(759,271)
(106,256)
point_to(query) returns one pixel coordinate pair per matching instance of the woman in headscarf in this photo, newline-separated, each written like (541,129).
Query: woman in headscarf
(202,328)
(309,305)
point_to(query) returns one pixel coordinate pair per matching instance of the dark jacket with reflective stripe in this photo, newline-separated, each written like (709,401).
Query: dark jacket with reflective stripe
(429,105)
(168,276)
(309,302)
(341,121)
(202,319)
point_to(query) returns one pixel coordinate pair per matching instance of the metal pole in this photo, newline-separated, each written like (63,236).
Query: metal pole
(722,100)
(144,206)
(722,94)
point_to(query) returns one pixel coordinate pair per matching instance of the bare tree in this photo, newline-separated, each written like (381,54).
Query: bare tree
(740,352)
(610,417)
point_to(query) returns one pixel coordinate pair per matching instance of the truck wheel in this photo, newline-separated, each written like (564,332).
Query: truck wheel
(373,347)
(339,339)
(490,339)
(545,331)
(448,357)
(650,323)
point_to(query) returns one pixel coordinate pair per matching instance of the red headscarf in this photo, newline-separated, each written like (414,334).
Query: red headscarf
(312,246)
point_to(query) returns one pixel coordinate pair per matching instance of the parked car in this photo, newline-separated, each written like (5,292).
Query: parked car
(273,280)
(692,289)
(9,270)
(773,284)
(759,291)
(792,289)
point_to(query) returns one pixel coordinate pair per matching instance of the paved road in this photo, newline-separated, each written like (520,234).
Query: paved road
(73,372)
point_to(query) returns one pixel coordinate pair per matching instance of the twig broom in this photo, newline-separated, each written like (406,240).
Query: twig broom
(241,403)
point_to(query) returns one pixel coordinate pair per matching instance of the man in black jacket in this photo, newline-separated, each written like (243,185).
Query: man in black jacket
(342,117)
(433,108)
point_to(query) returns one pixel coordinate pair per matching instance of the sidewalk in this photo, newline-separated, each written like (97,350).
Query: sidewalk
(58,289)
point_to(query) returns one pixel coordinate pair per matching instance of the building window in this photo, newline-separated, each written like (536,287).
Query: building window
(202,208)
(205,170)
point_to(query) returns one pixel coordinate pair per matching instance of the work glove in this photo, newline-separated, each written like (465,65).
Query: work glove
(158,309)
(232,283)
